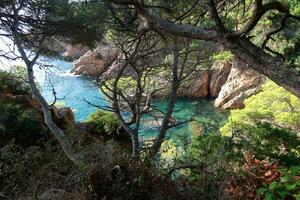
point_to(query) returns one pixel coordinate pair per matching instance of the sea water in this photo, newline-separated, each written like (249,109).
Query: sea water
(74,91)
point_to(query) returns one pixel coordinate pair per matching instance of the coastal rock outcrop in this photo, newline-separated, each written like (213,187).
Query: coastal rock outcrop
(94,63)
(229,82)
(74,52)
(219,75)
(197,86)
(63,117)
(242,82)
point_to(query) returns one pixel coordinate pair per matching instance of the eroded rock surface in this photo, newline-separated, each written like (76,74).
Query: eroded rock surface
(219,76)
(242,82)
(64,117)
(198,86)
(94,63)
(75,52)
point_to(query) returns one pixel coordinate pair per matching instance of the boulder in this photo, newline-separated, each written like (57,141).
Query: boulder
(63,117)
(219,75)
(94,63)
(242,82)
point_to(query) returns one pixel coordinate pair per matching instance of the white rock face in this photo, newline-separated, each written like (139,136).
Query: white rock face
(242,82)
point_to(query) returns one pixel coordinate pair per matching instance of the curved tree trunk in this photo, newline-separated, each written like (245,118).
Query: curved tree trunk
(54,129)
(265,64)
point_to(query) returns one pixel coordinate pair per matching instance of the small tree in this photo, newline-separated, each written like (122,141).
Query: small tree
(148,66)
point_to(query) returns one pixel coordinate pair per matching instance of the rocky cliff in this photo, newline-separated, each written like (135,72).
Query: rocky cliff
(241,83)
(229,82)
(94,63)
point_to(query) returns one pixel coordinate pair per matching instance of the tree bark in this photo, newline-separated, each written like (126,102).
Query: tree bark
(172,100)
(263,63)
(54,129)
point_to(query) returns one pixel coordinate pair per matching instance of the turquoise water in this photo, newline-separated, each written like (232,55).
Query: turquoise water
(72,89)
(199,115)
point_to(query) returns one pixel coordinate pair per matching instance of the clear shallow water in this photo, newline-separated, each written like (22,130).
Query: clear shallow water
(71,89)
(74,88)
(205,118)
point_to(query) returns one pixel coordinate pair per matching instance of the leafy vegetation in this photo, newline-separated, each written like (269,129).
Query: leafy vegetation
(105,122)
(22,124)
(287,187)
(244,158)
(268,124)
(14,81)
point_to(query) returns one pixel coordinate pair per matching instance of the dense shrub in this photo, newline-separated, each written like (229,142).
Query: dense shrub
(14,82)
(36,171)
(268,124)
(214,159)
(108,126)
(105,122)
(21,124)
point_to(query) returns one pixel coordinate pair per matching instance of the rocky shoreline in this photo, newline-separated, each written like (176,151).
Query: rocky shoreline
(229,83)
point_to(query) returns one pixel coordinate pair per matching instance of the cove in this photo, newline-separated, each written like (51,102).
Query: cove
(71,90)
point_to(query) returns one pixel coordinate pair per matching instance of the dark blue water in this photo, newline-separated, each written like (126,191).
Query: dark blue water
(73,89)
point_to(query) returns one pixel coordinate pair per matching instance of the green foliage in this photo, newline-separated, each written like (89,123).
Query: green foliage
(212,149)
(22,124)
(14,81)
(274,105)
(222,56)
(267,124)
(22,167)
(82,22)
(105,122)
(287,187)
(216,159)
(169,153)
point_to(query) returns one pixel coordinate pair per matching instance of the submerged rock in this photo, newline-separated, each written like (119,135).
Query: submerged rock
(242,82)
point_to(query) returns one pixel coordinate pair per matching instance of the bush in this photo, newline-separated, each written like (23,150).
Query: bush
(105,122)
(21,124)
(286,187)
(14,81)
(31,172)
(267,125)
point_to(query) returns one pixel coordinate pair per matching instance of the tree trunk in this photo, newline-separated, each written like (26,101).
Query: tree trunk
(263,63)
(54,129)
